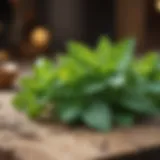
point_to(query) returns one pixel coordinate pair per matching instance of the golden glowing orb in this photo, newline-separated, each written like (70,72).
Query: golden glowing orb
(40,37)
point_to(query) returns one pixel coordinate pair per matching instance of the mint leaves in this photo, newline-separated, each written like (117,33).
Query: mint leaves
(98,87)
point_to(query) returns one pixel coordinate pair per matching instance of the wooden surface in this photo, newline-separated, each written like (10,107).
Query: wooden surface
(49,142)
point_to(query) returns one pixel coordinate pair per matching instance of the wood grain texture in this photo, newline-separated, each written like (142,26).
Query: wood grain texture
(62,143)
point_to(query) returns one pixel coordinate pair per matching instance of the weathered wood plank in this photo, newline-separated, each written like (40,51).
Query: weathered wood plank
(62,143)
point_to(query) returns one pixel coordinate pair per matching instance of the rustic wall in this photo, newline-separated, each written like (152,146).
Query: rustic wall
(131,19)
(65,17)
(23,12)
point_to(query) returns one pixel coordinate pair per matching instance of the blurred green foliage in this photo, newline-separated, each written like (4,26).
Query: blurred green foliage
(99,87)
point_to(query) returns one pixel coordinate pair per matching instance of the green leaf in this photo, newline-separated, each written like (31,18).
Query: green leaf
(117,81)
(154,75)
(30,83)
(103,50)
(28,102)
(43,66)
(124,119)
(98,116)
(19,101)
(94,87)
(135,100)
(153,88)
(146,64)
(69,112)
(82,54)
(42,77)
(122,55)
(67,67)
(92,84)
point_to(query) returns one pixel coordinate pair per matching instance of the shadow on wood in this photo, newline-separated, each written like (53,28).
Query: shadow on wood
(148,154)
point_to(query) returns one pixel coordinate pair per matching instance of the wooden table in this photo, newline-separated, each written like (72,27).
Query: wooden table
(61,143)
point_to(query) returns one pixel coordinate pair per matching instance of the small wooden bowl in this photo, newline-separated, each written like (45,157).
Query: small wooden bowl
(8,74)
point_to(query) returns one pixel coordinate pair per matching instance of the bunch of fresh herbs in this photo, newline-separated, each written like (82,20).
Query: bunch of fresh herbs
(99,87)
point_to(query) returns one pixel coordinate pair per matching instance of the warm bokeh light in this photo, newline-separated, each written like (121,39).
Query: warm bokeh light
(3,55)
(157,5)
(40,37)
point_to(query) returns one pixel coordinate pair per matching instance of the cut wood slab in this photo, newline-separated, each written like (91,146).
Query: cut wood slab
(30,140)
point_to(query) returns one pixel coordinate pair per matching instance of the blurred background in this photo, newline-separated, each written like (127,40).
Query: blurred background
(30,27)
